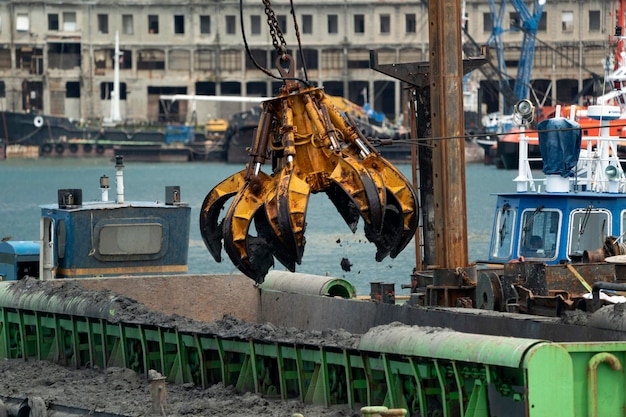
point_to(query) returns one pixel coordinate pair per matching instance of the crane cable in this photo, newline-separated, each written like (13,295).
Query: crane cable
(278,40)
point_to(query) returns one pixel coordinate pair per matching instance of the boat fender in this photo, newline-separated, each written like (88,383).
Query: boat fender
(46,148)
(87,148)
(73,148)
(99,149)
(59,148)
(38,121)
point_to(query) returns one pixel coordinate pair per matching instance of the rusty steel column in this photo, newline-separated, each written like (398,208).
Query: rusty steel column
(446,81)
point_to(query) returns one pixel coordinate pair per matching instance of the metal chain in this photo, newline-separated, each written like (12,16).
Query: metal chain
(275,32)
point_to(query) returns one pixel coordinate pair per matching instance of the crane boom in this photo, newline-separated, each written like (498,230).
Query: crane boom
(528,23)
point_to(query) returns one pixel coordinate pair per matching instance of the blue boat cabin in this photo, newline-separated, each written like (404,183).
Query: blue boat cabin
(554,227)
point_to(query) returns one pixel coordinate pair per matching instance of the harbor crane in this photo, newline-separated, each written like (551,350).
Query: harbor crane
(527,22)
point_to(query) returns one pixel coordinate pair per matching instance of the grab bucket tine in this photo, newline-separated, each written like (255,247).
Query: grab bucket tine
(293,199)
(210,211)
(251,255)
(266,231)
(390,237)
(404,198)
(285,218)
(362,190)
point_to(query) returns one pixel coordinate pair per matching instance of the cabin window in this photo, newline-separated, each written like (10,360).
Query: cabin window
(539,233)
(503,234)
(61,238)
(588,229)
(130,239)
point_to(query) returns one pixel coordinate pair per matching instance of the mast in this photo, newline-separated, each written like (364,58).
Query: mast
(620,53)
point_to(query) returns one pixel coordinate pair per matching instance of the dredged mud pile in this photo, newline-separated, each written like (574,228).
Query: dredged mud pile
(122,391)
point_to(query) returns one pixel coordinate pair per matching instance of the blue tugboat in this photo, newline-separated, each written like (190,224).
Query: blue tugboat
(104,238)
(578,211)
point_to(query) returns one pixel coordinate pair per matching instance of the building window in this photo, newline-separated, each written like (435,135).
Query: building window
(231,25)
(179,24)
(385,23)
(153,23)
(127,24)
(358,58)
(333,25)
(255,24)
(515,22)
(22,23)
(259,56)
(69,21)
(487,23)
(151,59)
(307,23)
(72,89)
(543,22)
(332,59)
(230,60)
(410,23)
(359,23)
(53,21)
(282,22)
(594,20)
(205,24)
(567,21)
(103,23)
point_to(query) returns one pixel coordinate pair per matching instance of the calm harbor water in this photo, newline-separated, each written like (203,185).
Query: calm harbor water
(26,184)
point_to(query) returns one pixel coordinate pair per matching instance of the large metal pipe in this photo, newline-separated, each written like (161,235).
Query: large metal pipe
(308,284)
(440,343)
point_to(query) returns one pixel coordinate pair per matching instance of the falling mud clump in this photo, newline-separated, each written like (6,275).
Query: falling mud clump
(124,392)
(345,264)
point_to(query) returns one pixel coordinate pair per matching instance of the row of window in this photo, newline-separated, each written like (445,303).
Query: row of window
(541,232)
(69,23)
(567,21)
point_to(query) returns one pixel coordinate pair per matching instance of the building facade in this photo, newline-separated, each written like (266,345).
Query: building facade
(57,57)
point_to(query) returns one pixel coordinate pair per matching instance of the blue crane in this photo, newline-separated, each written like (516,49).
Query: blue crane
(528,23)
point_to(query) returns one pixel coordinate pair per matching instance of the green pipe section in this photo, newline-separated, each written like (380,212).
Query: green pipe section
(308,284)
(439,343)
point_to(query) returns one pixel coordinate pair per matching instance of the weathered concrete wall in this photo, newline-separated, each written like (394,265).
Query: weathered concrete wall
(201,297)
(355,316)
